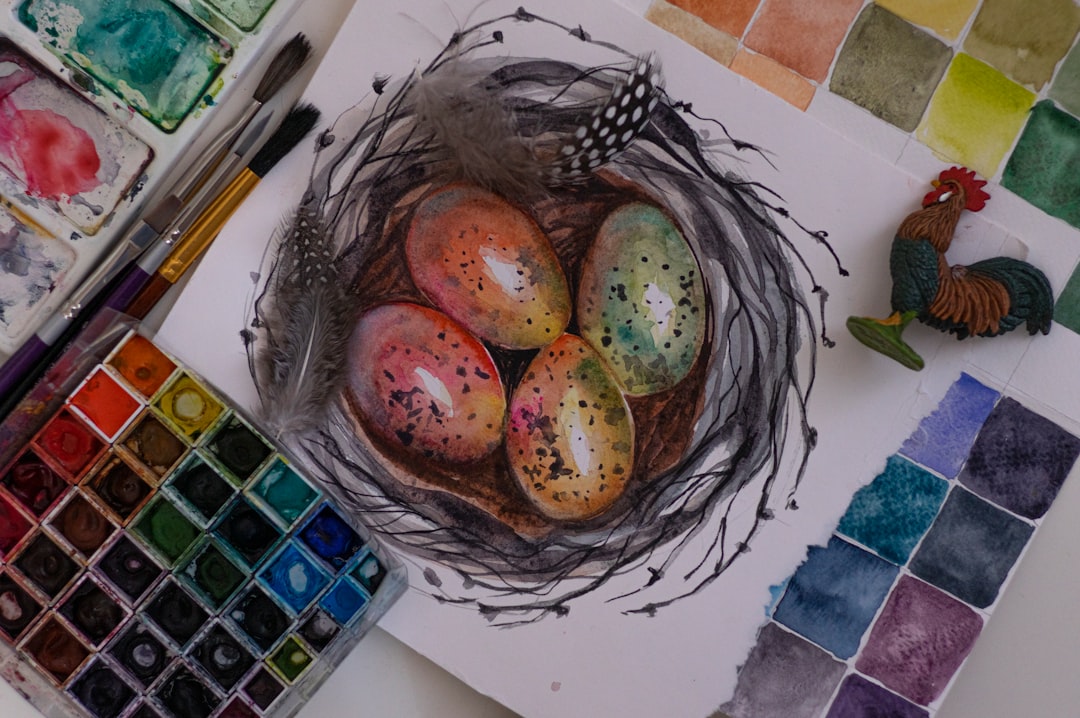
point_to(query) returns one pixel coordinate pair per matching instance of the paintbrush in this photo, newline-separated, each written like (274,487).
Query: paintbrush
(139,292)
(174,213)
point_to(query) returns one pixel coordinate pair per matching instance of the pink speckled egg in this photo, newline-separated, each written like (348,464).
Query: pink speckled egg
(570,435)
(425,384)
(489,266)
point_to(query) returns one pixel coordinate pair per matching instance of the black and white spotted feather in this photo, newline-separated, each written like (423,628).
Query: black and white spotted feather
(307,329)
(612,127)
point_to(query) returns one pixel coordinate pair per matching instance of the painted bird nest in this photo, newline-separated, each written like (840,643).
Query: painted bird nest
(730,427)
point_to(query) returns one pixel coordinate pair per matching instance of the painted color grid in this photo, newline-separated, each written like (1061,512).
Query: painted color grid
(159,557)
(878,621)
(960,76)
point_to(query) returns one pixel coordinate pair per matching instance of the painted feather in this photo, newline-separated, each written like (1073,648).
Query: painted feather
(307,327)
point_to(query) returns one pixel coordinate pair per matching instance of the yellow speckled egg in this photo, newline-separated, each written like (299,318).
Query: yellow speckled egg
(570,434)
(489,266)
(641,301)
(424,384)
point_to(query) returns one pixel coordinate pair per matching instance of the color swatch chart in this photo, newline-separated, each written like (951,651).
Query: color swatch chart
(161,558)
(879,620)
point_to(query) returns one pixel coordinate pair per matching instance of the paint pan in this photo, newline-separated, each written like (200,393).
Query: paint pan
(162,557)
(102,101)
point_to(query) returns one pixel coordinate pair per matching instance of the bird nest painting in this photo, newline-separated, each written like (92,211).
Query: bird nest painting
(537,334)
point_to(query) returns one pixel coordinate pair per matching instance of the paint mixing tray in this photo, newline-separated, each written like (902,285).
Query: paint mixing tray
(160,556)
(103,103)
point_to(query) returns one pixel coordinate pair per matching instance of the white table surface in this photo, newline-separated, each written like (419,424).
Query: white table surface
(1024,664)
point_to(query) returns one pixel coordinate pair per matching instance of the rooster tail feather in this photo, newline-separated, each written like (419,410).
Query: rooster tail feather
(1031,297)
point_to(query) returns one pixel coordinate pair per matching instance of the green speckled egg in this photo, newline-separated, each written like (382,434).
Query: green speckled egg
(570,434)
(641,301)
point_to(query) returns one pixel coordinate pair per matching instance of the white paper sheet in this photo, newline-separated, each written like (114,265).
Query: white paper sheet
(597,661)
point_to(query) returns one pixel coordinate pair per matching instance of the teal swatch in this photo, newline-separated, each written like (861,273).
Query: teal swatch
(891,514)
(156,58)
(285,492)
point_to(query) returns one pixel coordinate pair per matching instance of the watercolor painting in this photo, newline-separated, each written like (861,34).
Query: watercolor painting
(58,149)
(566,361)
(150,53)
(31,264)
(150,566)
(879,620)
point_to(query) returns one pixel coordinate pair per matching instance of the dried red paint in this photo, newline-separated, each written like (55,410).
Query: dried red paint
(13,526)
(70,443)
(57,158)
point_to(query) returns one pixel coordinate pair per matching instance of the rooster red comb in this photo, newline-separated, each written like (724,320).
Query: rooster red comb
(974,196)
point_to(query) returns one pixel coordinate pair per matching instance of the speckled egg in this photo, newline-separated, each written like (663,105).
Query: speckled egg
(424,384)
(641,301)
(570,434)
(489,266)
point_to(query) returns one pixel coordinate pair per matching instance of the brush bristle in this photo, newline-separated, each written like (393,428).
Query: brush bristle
(300,121)
(286,63)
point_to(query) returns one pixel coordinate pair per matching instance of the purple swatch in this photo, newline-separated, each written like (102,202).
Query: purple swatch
(919,641)
(784,676)
(944,438)
(833,596)
(1020,460)
(860,698)
(971,548)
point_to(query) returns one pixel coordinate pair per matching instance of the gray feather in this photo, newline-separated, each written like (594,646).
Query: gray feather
(306,328)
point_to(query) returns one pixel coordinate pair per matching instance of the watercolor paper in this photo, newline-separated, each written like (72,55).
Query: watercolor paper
(862,408)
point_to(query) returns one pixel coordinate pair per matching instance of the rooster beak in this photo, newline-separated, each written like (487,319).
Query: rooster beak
(935,183)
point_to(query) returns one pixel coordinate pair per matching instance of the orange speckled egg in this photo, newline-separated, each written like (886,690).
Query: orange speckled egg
(570,434)
(489,266)
(424,384)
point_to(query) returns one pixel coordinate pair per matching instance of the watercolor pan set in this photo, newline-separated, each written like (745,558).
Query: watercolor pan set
(160,557)
(880,619)
(101,99)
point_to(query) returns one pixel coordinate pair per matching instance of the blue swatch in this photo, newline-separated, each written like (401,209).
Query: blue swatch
(891,514)
(344,601)
(1020,460)
(944,438)
(833,596)
(330,537)
(970,548)
(369,572)
(294,578)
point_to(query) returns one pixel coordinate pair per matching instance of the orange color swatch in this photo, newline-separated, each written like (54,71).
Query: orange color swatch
(717,44)
(105,403)
(774,77)
(800,35)
(731,16)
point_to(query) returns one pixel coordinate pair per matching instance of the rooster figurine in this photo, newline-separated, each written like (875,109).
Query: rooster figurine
(984,299)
